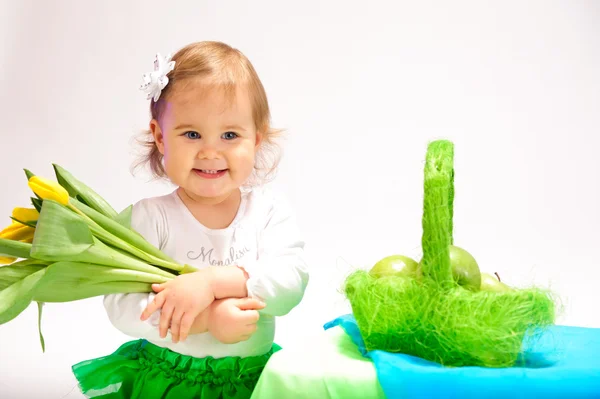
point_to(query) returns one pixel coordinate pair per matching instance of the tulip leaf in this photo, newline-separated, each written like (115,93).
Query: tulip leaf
(103,254)
(78,189)
(81,199)
(124,218)
(31,223)
(60,233)
(71,281)
(136,244)
(17,271)
(40,306)
(90,290)
(15,298)
(37,203)
(28,173)
(88,272)
(15,249)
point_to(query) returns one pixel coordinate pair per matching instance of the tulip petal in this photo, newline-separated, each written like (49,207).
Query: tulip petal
(5,260)
(48,189)
(25,214)
(10,229)
(21,232)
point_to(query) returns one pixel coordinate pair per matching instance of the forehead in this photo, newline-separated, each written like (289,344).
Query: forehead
(200,104)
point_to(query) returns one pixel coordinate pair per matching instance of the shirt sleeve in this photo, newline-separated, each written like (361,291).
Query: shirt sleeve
(280,274)
(124,310)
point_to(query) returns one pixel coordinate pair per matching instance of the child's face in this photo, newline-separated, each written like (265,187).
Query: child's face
(208,141)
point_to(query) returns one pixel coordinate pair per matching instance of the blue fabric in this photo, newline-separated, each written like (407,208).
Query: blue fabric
(565,364)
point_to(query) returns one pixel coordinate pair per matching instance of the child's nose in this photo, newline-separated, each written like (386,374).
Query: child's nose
(208,151)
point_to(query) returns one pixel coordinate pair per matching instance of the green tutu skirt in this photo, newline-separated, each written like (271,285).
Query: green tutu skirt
(142,370)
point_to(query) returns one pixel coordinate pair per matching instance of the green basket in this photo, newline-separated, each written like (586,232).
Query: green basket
(433,317)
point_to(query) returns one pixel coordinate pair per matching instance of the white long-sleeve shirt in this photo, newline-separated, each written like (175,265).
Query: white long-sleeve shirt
(263,239)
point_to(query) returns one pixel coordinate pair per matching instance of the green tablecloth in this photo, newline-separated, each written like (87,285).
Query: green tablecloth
(327,367)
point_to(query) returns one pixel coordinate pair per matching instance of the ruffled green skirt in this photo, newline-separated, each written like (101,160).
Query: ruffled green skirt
(142,370)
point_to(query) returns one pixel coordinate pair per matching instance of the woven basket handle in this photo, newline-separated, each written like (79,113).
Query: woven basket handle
(438,212)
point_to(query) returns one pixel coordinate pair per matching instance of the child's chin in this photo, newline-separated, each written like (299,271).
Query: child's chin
(210,193)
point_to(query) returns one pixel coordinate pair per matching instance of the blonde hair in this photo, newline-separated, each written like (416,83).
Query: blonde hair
(224,66)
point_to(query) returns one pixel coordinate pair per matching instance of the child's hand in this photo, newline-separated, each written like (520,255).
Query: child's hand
(200,324)
(181,300)
(233,320)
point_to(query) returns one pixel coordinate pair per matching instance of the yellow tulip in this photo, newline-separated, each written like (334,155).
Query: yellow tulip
(6,260)
(10,228)
(17,232)
(48,189)
(25,214)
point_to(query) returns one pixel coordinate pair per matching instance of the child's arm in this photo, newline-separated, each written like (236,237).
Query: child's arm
(180,301)
(124,310)
(229,320)
(183,300)
(279,276)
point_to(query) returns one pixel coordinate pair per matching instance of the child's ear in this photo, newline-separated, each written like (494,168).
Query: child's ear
(158,136)
(259,139)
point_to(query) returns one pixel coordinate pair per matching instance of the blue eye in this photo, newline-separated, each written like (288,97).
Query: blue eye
(192,135)
(230,135)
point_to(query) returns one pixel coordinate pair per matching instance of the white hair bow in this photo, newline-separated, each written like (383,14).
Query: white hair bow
(155,81)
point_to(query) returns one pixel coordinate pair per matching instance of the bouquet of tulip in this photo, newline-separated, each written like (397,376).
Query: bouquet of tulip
(73,245)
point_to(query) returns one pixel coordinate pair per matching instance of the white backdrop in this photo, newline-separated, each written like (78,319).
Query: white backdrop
(361,90)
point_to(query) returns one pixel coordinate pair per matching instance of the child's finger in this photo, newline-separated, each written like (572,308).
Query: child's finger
(165,319)
(245,337)
(176,324)
(250,304)
(158,287)
(251,316)
(153,306)
(186,324)
(251,328)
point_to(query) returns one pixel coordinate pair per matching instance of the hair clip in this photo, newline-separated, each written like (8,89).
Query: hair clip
(155,81)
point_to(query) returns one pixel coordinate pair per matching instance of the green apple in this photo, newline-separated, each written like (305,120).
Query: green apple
(493,284)
(465,269)
(394,265)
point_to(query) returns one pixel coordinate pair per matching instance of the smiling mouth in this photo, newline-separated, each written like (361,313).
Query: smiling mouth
(210,173)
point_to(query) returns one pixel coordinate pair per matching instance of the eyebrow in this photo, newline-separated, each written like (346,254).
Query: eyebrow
(234,127)
(183,126)
(228,127)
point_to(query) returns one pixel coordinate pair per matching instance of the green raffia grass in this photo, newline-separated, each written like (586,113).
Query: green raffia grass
(433,318)
(453,327)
